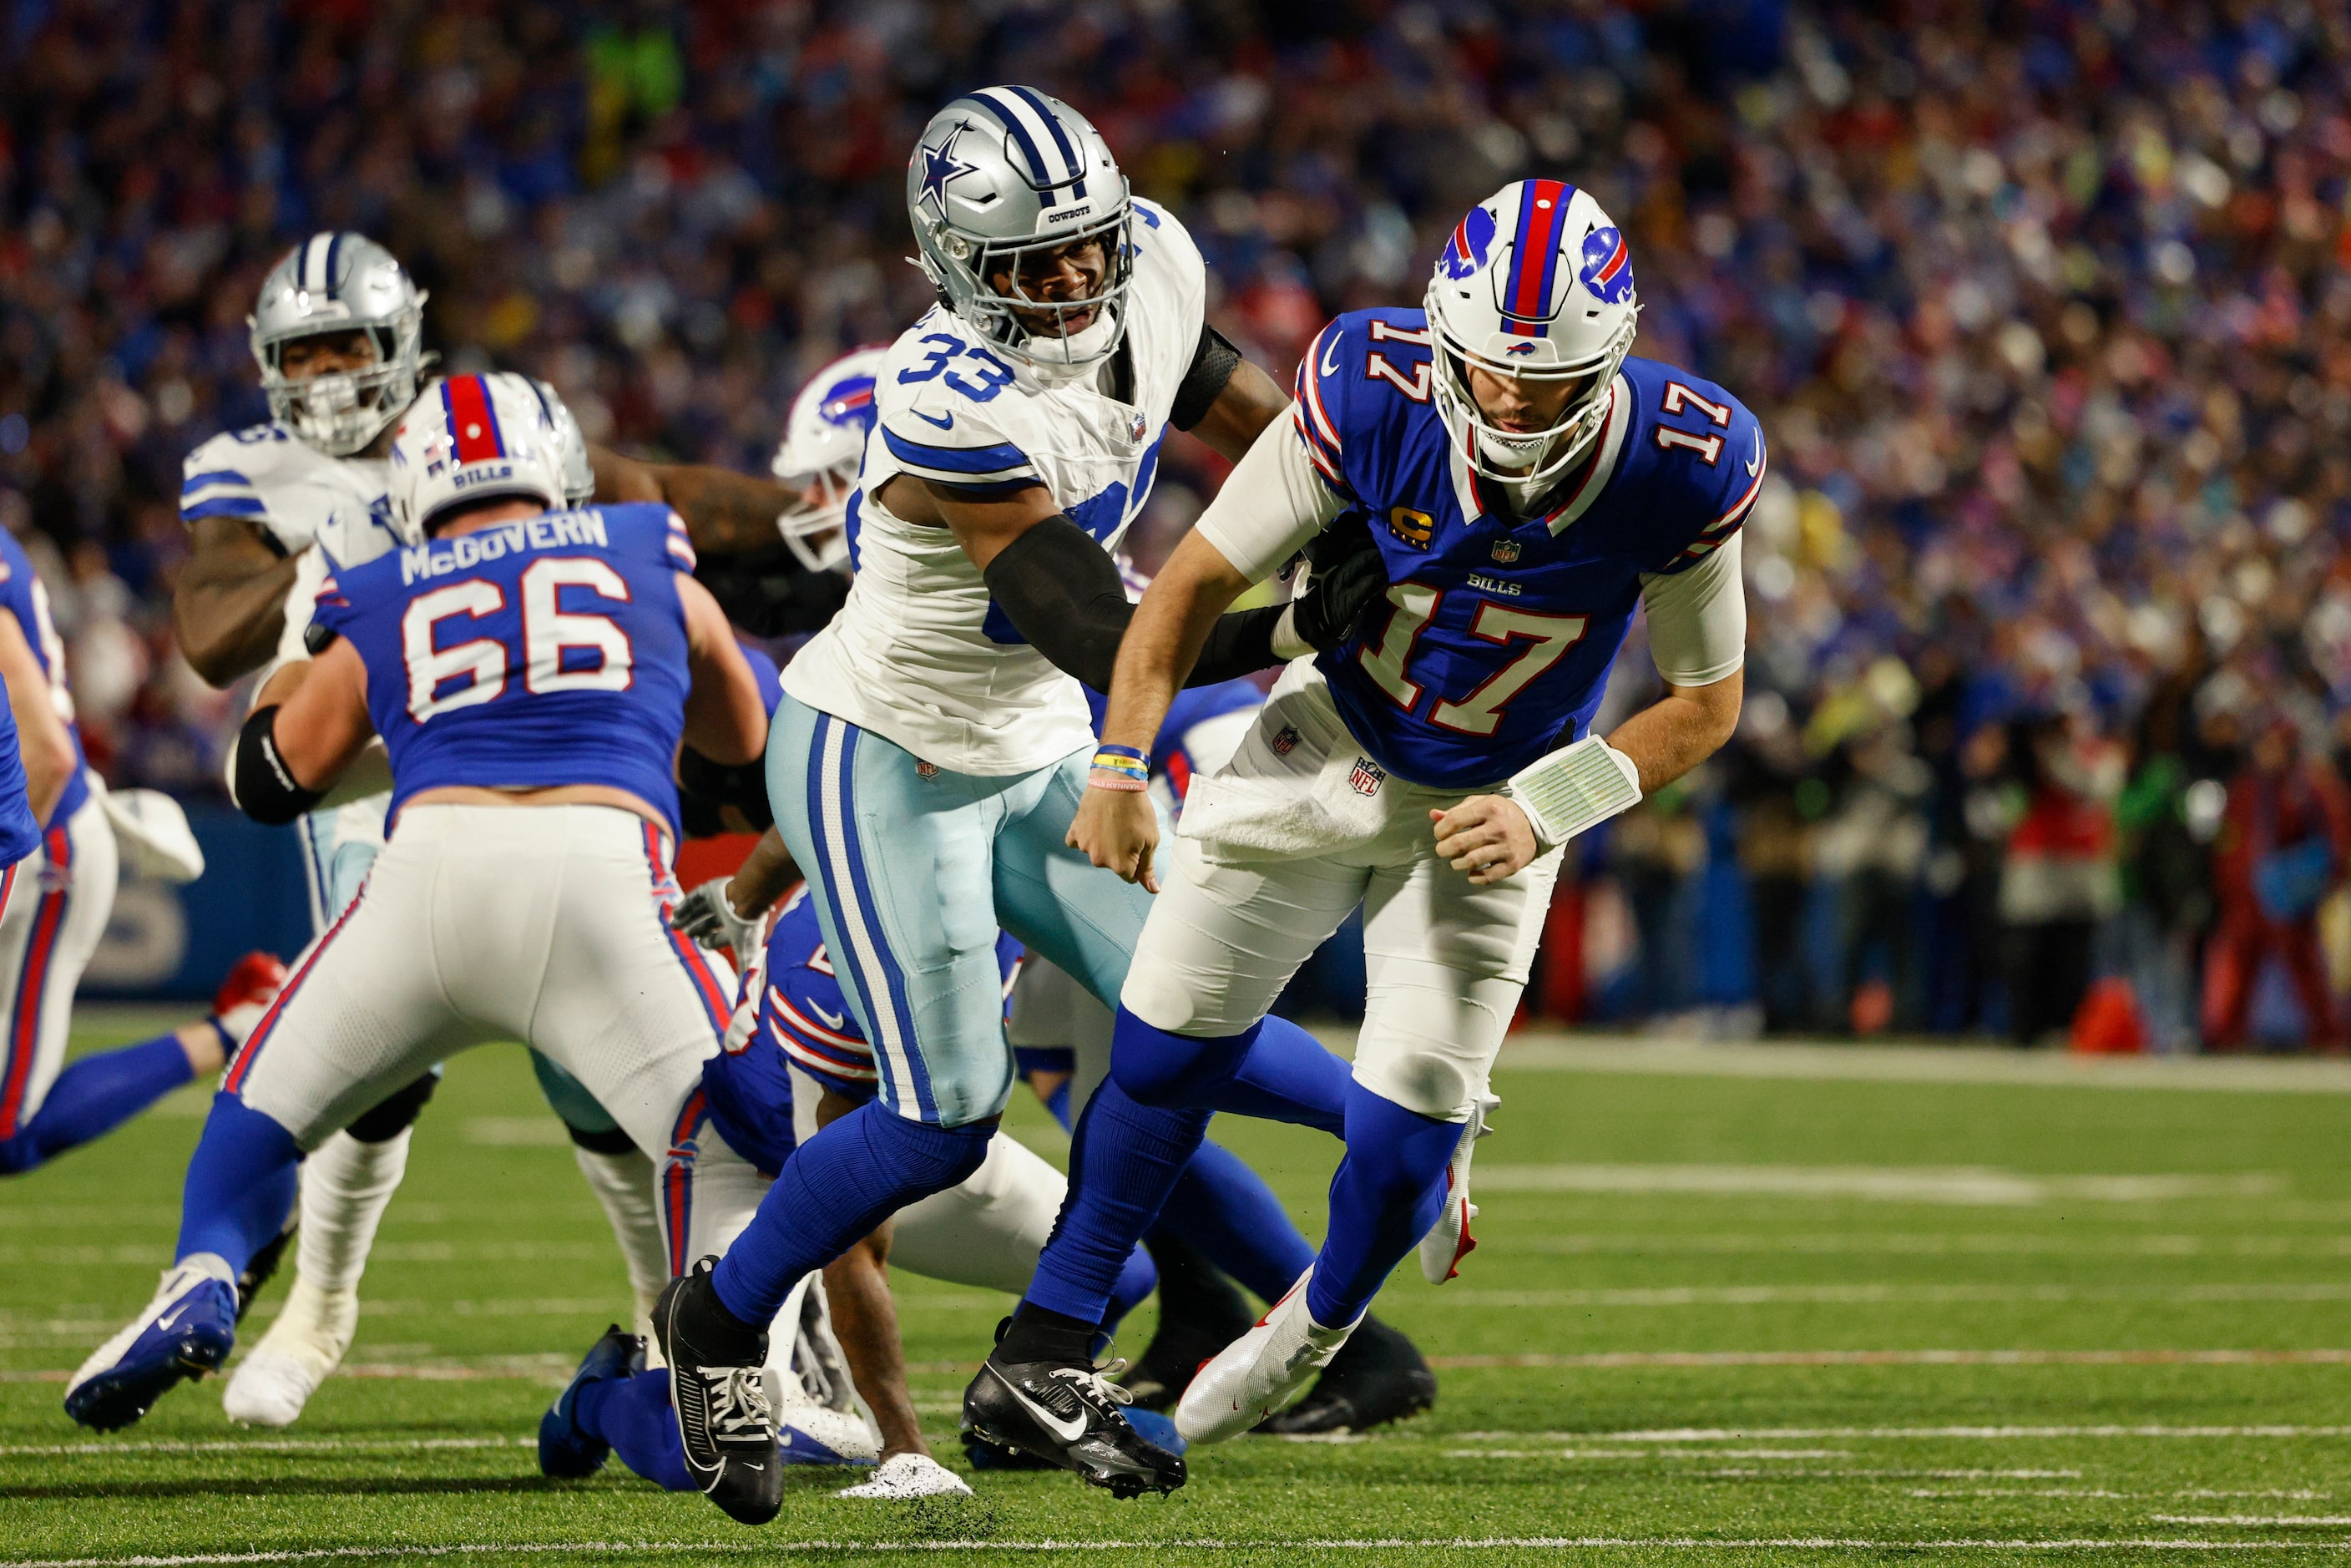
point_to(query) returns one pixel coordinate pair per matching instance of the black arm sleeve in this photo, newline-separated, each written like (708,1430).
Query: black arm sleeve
(1213,364)
(1063,594)
(768,594)
(266,788)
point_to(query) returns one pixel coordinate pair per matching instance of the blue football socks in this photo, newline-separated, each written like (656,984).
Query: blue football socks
(1229,1216)
(240,1185)
(632,1414)
(1385,1198)
(1273,1069)
(93,1096)
(1123,1162)
(833,1191)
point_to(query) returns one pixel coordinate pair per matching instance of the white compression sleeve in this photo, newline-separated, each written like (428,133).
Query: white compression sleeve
(1697,619)
(1273,503)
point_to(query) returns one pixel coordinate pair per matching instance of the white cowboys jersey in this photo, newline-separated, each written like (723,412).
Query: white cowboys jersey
(301,497)
(920,654)
(291,490)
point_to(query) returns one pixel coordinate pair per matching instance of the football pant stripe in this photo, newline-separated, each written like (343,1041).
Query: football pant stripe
(677,1181)
(32,980)
(863,960)
(242,1067)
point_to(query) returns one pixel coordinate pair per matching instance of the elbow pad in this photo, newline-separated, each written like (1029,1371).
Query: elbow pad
(703,787)
(1575,789)
(1062,592)
(264,788)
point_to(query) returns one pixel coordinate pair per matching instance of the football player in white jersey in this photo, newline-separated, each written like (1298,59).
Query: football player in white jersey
(338,334)
(931,747)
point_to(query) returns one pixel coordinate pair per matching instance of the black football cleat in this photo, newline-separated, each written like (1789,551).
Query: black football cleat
(1377,1376)
(718,1387)
(259,1273)
(1067,1414)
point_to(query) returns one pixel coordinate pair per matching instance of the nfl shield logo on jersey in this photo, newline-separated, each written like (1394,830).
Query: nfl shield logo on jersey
(1284,740)
(926,769)
(1135,425)
(1367,777)
(1506,550)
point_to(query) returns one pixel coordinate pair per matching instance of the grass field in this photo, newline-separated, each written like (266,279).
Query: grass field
(1720,1314)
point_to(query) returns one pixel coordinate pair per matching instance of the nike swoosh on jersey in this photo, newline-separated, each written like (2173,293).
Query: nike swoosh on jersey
(1068,1431)
(832,1020)
(946,423)
(1331,357)
(1755,463)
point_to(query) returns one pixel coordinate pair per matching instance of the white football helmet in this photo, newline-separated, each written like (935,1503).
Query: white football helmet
(1535,283)
(339,283)
(472,438)
(825,443)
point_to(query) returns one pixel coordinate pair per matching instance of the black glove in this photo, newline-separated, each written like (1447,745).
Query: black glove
(768,594)
(1349,581)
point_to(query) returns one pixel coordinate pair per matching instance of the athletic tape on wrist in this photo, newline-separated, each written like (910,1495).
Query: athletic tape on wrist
(1287,644)
(1575,789)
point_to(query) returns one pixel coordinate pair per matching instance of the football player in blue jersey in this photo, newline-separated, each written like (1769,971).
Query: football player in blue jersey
(48,936)
(1529,487)
(338,334)
(532,672)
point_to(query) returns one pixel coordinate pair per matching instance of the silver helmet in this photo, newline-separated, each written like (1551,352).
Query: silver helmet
(339,283)
(1007,176)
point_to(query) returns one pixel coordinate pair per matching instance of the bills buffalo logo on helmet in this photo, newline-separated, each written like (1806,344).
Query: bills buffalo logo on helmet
(1473,238)
(1607,268)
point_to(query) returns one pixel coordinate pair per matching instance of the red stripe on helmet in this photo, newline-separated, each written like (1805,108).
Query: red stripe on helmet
(472,425)
(1615,263)
(1539,225)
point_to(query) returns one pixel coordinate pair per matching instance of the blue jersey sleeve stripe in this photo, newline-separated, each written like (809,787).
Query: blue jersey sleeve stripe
(216,477)
(224,507)
(954,459)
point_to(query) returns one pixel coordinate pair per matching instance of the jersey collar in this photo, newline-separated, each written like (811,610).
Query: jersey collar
(1574,496)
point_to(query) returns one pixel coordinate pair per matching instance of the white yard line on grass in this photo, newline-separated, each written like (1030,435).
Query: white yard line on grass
(264,1446)
(1873,1294)
(1604,1359)
(1821,1434)
(1546,1050)
(1457,1544)
(1962,1185)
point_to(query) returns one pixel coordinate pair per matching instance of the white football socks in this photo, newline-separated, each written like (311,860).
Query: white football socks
(623,1183)
(346,1187)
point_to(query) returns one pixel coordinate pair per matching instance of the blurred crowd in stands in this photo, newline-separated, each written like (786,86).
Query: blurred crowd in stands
(2045,306)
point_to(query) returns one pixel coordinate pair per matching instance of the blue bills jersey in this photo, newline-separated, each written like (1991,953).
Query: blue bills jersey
(1505,618)
(22,596)
(547,652)
(19,834)
(804,1021)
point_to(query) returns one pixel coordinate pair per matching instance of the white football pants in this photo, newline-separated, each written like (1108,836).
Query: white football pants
(1277,847)
(542,924)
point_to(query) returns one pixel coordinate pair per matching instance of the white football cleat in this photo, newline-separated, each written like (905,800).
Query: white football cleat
(1260,1371)
(1449,1240)
(908,1476)
(306,1344)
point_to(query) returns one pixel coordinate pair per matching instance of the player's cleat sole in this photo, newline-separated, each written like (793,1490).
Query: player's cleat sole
(1378,1376)
(906,1477)
(718,1389)
(273,1385)
(1259,1372)
(187,1329)
(1068,1415)
(1449,1240)
(565,1452)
